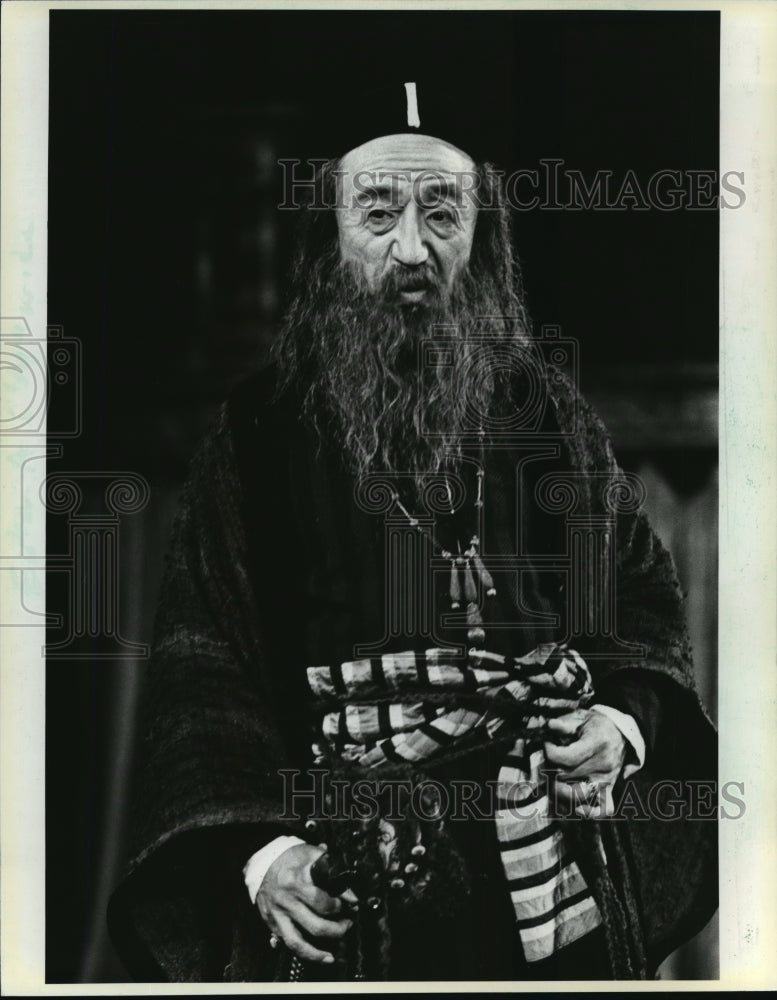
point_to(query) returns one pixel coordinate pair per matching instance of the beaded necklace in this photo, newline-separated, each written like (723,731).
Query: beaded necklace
(462,584)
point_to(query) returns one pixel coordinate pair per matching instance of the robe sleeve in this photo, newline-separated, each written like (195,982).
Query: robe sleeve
(637,693)
(667,810)
(209,791)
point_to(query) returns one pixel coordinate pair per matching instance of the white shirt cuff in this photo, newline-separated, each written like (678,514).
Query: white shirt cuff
(257,865)
(627,724)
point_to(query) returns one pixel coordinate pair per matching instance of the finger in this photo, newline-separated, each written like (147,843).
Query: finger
(574,755)
(571,810)
(349,897)
(568,794)
(590,798)
(596,756)
(270,909)
(598,768)
(584,811)
(294,940)
(317,927)
(567,725)
(577,798)
(589,770)
(319,901)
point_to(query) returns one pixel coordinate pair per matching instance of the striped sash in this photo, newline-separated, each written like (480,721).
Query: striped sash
(377,713)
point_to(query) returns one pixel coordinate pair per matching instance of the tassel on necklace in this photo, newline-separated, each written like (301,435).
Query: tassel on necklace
(470,590)
(485,577)
(462,585)
(454,589)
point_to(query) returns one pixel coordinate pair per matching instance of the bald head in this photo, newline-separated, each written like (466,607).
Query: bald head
(407,150)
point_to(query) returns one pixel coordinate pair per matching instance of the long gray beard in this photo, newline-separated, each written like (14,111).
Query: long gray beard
(371,382)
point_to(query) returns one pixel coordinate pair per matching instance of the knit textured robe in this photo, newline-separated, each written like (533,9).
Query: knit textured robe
(223,708)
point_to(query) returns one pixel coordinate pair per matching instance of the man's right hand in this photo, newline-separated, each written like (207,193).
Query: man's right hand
(304,917)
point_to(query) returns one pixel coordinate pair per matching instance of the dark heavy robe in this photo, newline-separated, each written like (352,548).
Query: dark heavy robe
(274,567)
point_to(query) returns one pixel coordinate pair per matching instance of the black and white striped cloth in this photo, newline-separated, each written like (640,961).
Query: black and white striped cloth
(378,713)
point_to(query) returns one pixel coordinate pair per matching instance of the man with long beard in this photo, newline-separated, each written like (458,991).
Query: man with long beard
(369,580)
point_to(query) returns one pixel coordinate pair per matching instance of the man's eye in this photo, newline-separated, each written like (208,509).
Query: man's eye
(442,216)
(379,217)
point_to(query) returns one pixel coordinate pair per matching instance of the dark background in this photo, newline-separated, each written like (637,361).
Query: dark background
(167,258)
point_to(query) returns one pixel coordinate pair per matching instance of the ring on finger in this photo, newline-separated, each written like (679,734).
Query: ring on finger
(274,940)
(590,793)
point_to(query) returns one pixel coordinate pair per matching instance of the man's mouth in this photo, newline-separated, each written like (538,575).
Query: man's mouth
(411,289)
(413,295)
(415,289)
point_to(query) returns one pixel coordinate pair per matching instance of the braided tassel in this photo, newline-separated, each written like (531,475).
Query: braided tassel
(455,587)
(485,577)
(476,634)
(470,590)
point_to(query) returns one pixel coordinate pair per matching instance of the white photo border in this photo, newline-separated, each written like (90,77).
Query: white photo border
(748,502)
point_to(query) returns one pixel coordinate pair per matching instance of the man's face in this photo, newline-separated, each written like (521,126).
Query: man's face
(406,213)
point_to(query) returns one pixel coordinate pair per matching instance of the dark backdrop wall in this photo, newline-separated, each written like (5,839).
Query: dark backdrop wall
(167,257)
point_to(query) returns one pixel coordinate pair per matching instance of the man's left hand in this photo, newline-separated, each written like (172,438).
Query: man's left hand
(588,767)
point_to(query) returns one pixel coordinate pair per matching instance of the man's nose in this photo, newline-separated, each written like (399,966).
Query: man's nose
(409,247)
